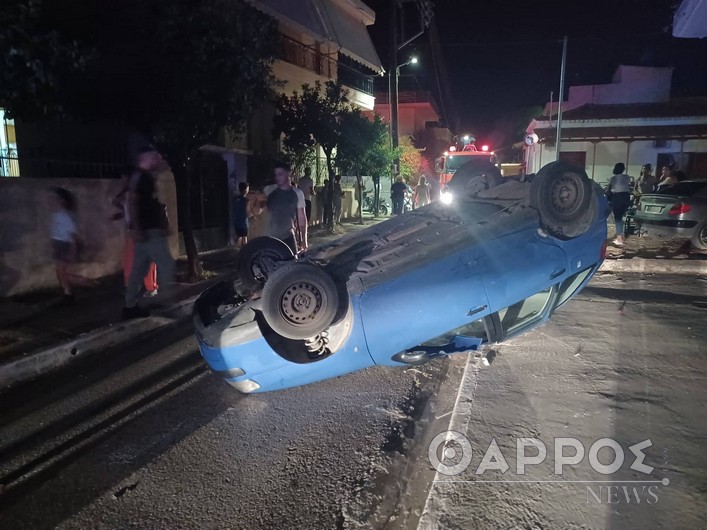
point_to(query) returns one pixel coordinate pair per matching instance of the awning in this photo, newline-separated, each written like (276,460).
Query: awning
(351,34)
(302,13)
(646,132)
(328,22)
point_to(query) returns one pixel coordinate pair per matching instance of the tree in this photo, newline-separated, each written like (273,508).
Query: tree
(411,160)
(313,118)
(364,149)
(179,71)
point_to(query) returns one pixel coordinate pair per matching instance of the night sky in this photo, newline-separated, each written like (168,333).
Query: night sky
(503,56)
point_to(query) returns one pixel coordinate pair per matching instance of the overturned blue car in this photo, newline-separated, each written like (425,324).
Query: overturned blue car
(493,262)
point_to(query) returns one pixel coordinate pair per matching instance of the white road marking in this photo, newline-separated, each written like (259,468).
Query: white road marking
(459,421)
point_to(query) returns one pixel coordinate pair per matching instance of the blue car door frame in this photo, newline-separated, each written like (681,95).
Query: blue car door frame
(440,296)
(520,264)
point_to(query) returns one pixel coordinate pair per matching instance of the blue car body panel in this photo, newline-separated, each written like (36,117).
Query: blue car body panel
(409,280)
(261,363)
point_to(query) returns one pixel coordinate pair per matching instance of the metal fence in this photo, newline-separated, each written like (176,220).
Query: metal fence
(9,164)
(304,56)
(12,165)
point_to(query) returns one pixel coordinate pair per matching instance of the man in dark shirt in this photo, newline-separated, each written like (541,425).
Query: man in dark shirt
(286,208)
(397,195)
(149,228)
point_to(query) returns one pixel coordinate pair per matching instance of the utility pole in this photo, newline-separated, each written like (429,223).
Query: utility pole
(393,84)
(560,97)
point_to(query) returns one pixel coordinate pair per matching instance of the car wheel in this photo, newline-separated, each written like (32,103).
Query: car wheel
(699,239)
(259,258)
(563,196)
(299,301)
(474,177)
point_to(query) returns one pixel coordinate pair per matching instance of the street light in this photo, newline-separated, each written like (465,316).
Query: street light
(393,101)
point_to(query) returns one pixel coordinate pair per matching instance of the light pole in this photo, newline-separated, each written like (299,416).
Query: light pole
(393,101)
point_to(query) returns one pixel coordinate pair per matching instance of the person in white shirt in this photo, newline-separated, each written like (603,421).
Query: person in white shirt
(619,194)
(65,242)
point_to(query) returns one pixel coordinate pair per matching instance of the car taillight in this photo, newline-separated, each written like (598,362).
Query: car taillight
(679,209)
(603,251)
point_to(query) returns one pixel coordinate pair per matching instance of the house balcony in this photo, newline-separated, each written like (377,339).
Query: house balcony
(299,54)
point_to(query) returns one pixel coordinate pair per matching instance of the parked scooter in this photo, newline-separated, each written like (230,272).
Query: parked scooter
(383,206)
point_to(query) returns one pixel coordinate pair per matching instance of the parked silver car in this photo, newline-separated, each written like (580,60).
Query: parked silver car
(679,211)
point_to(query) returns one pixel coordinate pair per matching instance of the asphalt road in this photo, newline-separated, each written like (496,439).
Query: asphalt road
(626,361)
(146,437)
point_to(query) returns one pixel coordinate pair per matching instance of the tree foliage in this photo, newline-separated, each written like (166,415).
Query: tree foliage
(313,117)
(364,149)
(412,163)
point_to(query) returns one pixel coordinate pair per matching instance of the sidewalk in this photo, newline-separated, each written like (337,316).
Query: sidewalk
(641,254)
(37,334)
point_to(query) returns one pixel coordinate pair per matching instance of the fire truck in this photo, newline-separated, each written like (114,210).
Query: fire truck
(447,164)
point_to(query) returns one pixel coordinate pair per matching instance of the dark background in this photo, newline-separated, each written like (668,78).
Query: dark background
(503,56)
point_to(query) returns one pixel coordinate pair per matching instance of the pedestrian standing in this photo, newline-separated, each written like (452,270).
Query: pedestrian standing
(667,178)
(321,201)
(338,195)
(120,201)
(619,194)
(647,182)
(240,214)
(149,227)
(306,185)
(397,195)
(435,189)
(286,206)
(422,192)
(328,203)
(65,242)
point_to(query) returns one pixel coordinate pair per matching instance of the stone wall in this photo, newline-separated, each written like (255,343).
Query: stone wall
(25,254)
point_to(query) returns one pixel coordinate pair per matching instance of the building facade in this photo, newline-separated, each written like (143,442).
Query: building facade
(631,120)
(322,40)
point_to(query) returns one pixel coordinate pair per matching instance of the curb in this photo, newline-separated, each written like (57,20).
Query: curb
(40,362)
(655,266)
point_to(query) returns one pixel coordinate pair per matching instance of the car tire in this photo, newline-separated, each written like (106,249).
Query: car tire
(300,300)
(699,239)
(565,200)
(258,258)
(474,177)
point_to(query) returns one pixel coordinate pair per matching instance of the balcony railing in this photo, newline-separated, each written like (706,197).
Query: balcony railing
(345,70)
(304,56)
(351,77)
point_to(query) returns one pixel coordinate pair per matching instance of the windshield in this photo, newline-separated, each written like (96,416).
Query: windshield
(685,188)
(454,162)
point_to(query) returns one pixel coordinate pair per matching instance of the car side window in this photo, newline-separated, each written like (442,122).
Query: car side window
(472,329)
(570,286)
(525,312)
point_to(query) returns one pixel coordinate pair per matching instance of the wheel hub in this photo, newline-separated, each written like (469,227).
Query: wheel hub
(301,302)
(565,195)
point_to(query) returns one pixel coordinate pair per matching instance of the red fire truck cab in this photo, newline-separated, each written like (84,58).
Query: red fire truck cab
(447,164)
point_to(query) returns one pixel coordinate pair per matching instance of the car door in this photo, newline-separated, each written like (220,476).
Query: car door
(423,304)
(520,264)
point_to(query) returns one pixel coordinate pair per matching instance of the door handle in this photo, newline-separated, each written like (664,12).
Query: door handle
(557,273)
(477,310)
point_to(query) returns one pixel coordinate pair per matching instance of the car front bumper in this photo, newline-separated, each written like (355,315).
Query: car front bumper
(232,340)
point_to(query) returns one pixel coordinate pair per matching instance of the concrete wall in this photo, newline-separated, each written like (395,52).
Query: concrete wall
(25,254)
(609,153)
